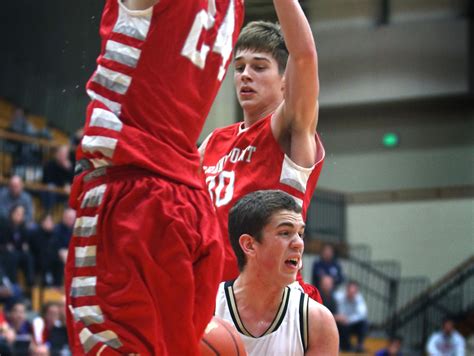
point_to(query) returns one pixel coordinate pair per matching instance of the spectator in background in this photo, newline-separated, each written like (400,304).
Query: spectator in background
(16,318)
(447,341)
(351,317)
(327,265)
(40,240)
(14,194)
(394,347)
(74,141)
(326,289)
(19,123)
(15,247)
(49,328)
(7,336)
(58,248)
(57,173)
(26,156)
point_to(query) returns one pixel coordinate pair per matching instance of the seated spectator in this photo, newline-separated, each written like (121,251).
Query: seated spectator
(351,317)
(48,326)
(57,173)
(16,318)
(75,141)
(327,293)
(58,248)
(327,265)
(26,156)
(20,124)
(394,347)
(15,247)
(40,240)
(14,194)
(7,336)
(447,341)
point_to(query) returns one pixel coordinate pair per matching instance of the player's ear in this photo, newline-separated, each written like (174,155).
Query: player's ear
(247,244)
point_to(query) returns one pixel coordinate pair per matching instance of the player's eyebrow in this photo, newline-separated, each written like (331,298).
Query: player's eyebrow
(257,58)
(289,224)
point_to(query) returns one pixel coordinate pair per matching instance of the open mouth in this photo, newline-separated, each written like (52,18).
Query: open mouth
(293,262)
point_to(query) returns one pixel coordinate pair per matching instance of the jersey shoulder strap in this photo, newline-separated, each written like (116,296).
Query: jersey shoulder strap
(304,301)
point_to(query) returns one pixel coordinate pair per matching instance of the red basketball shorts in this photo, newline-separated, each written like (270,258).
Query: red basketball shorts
(143,268)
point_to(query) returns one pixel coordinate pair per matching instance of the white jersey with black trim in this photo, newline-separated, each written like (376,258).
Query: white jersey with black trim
(288,333)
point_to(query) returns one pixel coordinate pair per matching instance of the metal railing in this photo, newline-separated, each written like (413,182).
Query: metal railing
(326,219)
(452,296)
(24,155)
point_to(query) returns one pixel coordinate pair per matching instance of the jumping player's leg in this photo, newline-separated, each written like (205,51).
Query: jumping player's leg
(141,295)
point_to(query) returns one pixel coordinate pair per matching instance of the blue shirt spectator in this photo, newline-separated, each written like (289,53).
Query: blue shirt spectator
(327,265)
(15,195)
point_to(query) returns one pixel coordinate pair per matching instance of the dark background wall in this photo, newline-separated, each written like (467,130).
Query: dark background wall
(48,51)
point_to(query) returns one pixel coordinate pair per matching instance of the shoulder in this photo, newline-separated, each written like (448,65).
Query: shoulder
(319,313)
(458,337)
(323,335)
(216,136)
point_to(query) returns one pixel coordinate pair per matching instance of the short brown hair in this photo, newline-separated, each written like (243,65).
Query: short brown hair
(266,37)
(252,212)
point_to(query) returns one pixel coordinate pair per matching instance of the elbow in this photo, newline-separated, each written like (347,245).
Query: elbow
(306,56)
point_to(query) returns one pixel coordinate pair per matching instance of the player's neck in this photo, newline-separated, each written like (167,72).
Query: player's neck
(257,294)
(257,304)
(251,115)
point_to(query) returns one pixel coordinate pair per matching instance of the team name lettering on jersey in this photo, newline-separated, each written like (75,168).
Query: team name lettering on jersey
(234,156)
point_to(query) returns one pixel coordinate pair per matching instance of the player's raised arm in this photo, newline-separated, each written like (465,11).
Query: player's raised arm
(323,338)
(296,120)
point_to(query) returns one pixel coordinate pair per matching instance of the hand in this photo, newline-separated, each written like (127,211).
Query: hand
(341,319)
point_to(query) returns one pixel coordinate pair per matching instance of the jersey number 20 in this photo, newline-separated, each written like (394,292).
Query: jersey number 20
(221,187)
(205,20)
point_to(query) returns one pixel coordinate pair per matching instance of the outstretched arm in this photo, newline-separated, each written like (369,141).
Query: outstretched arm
(294,124)
(323,335)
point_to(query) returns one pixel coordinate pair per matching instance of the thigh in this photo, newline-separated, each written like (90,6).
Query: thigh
(132,285)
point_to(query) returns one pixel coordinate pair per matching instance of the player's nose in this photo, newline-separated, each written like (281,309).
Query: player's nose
(297,242)
(245,75)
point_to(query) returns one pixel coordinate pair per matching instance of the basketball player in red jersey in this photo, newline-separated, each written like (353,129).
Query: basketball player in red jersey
(276,146)
(143,263)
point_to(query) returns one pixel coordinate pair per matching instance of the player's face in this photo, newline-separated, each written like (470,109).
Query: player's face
(279,255)
(258,83)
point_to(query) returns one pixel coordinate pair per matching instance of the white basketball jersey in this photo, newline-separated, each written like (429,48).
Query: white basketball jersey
(288,333)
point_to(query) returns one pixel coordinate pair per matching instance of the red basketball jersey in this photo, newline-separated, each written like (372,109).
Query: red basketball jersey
(239,161)
(158,73)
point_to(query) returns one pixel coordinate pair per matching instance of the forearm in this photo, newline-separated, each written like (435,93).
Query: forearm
(301,77)
(296,29)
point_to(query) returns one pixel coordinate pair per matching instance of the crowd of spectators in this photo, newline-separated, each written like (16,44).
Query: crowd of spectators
(34,238)
(34,248)
(42,335)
